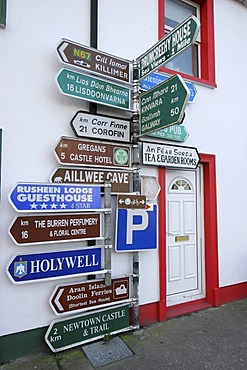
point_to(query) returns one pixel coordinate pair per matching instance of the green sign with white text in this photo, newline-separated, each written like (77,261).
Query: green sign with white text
(163,105)
(174,133)
(178,40)
(93,89)
(64,334)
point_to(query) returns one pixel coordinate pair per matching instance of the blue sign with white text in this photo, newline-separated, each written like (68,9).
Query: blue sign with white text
(42,197)
(45,266)
(155,79)
(136,229)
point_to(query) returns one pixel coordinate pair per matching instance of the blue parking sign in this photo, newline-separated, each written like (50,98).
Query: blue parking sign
(136,229)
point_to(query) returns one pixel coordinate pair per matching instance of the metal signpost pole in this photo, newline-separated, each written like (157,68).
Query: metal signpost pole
(136,183)
(107,233)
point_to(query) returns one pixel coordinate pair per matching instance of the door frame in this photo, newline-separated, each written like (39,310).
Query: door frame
(208,162)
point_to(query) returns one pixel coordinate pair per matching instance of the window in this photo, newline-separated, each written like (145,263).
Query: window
(180,185)
(3,13)
(196,63)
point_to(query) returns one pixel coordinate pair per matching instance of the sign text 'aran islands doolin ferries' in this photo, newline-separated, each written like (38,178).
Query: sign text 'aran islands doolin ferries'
(46,197)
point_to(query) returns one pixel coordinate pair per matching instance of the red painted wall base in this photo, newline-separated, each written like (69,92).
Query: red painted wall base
(149,313)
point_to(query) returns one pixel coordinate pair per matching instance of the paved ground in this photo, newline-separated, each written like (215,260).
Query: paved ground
(215,338)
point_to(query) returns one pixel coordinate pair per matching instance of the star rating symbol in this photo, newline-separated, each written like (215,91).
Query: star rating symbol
(43,206)
(63,206)
(53,206)
(33,206)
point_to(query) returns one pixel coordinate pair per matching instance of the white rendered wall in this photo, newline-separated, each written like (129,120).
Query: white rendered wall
(34,115)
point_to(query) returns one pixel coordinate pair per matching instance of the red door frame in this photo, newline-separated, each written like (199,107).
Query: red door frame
(211,243)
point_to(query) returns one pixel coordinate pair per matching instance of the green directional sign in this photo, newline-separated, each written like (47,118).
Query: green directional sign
(173,133)
(163,105)
(93,89)
(64,334)
(178,40)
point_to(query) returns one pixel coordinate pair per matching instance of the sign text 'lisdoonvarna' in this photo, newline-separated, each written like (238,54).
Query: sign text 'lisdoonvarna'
(178,40)
(73,298)
(170,156)
(55,228)
(94,89)
(27,268)
(94,126)
(88,153)
(121,181)
(94,60)
(45,197)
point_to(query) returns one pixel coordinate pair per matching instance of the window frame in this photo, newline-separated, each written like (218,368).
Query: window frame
(206,50)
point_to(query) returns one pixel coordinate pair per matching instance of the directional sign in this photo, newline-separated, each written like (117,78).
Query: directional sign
(131,201)
(94,60)
(94,126)
(178,40)
(80,329)
(93,89)
(85,153)
(174,133)
(170,156)
(121,181)
(42,197)
(26,268)
(155,79)
(67,299)
(163,105)
(55,228)
(136,229)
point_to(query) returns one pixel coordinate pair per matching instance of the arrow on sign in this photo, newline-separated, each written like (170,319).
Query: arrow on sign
(164,105)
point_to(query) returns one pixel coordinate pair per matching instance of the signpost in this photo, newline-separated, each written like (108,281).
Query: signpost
(74,298)
(55,228)
(155,78)
(136,229)
(150,187)
(94,60)
(131,201)
(120,180)
(178,40)
(46,197)
(94,126)
(170,156)
(163,105)
(174,133)
(31,268)
(80,329)
(85,153)
(93,89)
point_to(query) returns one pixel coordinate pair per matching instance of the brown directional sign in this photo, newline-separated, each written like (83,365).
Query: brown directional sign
(120,180)
(78,297)
(94,61)
(55,228)
(92,153)
(131,201)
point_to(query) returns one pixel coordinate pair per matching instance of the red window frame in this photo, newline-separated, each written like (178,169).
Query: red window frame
(207,50)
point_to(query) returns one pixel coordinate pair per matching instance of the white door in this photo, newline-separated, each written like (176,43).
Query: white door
(184,247)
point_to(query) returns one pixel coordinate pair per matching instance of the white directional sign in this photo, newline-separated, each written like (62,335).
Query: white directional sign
(94,126)
(170,156)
